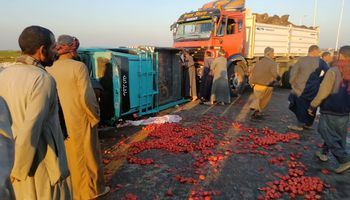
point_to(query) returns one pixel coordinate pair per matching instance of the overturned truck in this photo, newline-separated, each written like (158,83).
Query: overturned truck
(139,81)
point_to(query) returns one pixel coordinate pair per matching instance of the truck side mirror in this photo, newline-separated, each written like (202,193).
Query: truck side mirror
(173,27)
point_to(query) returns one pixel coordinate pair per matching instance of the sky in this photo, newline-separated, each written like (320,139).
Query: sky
(112,23)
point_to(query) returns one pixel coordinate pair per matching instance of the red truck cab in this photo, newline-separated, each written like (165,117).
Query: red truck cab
(211,30)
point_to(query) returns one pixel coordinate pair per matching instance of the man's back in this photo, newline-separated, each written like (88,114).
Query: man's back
(75,92)
(301,72)
(264,72)
(31,98)
(18,83)
(81,115)
(219,67)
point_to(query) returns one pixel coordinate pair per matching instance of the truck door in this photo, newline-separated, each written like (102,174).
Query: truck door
(230,34)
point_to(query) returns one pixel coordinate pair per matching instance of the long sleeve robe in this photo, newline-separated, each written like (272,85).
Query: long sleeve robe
(220,91)
(81,115)
(40,165)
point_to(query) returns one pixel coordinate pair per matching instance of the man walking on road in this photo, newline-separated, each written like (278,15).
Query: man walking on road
(261,79)
(40,168)
(334,98)
(81,116)
(299,76)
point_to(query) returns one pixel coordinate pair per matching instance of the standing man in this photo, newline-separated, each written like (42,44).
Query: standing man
(299,75)
(191,86)
(261,79)
(334,98)
(40,168)
(81,116)
(6,152)
(207,78)
(327,57)
(220,91)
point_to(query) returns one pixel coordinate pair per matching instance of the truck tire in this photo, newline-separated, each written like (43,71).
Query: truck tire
(231,79)
(233,84)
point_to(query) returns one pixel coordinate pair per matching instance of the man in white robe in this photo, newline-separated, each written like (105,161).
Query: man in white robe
(40,168)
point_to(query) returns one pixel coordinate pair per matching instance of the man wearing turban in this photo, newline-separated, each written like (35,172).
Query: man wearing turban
(79,119)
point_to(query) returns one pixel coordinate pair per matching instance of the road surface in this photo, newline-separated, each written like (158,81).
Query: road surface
(217,152)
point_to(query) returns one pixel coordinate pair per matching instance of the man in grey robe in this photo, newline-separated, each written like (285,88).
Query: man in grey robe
(220,91)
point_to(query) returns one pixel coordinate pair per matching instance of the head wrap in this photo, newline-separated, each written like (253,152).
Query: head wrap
(67,44)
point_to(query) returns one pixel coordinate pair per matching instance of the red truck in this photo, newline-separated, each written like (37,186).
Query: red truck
(228,25)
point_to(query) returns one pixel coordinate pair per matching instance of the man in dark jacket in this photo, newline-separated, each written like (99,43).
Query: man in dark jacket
(334,100)
(305,78)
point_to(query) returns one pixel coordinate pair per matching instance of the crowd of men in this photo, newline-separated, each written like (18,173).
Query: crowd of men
(49,112)
(317,81)
(48,118)
(214,87)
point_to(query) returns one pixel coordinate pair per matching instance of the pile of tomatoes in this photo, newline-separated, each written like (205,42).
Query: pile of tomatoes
(175,139)
(295,183)
(203,195)
(300,185)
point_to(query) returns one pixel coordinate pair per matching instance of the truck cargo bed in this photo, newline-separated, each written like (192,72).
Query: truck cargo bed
(286,40)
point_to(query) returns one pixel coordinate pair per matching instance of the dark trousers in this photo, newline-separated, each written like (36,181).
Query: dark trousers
(186,83)
(206,83)
(333,130)
(299,106)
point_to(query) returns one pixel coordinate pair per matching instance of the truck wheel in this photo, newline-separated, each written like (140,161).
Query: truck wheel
(232,82)
(235,88)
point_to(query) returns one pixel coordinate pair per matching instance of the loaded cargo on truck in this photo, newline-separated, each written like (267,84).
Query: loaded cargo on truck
(228,25)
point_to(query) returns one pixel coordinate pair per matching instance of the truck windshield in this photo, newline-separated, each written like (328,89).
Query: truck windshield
(194,30)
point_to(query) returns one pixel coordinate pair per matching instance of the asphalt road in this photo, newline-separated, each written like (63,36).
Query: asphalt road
(226,161)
